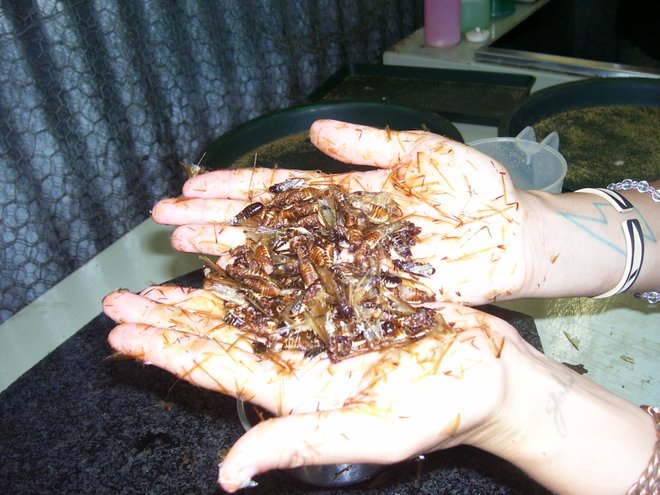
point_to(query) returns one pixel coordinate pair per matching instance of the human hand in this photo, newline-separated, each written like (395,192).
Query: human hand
(379,407)
(471,216)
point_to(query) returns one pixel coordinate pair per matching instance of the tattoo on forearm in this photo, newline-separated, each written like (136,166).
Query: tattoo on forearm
(646,228)
(586,223)
(556,401)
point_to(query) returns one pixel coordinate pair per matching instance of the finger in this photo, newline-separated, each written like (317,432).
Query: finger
(181,211)
(126,307)
(200,301)
(223,367)
(209,239)
(231,368)
(241,183)
(364,145)
(342,436)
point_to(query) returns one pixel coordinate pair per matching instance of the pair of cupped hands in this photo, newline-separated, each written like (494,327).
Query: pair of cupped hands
(451,387)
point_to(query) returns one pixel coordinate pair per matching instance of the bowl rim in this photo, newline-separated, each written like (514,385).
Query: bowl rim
(222,151)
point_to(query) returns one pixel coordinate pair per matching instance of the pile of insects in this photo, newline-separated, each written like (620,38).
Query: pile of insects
(325,270)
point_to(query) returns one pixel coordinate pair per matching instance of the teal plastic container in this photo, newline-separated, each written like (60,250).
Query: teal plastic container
(475,14)
(502,8)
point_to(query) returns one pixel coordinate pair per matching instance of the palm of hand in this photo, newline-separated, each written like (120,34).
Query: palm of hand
(428,394)
(464,202)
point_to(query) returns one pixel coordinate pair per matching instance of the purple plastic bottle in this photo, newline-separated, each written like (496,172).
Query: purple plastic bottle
(442,22)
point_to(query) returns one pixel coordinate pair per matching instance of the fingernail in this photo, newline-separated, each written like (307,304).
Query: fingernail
(233,482)
(249,483)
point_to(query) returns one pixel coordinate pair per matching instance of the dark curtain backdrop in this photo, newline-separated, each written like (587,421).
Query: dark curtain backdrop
(99,101)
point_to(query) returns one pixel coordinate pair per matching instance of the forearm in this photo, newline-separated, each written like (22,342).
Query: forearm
(572,435)
(576,245)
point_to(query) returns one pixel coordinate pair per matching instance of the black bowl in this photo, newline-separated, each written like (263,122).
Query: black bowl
(635,91)
(280,139)
(332,475)
(607,128)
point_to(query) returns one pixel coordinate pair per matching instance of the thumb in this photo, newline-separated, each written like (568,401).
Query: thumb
(327,437)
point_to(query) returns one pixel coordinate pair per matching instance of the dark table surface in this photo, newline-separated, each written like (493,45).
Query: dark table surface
(77,424)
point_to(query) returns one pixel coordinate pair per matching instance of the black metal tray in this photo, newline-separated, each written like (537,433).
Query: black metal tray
(472,97)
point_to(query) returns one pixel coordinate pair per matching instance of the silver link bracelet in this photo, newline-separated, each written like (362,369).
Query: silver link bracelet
(641,186)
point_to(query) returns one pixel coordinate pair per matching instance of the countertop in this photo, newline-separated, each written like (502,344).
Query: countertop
(412,51)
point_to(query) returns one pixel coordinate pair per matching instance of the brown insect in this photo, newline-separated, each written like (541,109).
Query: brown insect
(377,214)
(324,255)
(312,274)
(307,271)
(293,196)
(300,210)
(246,213)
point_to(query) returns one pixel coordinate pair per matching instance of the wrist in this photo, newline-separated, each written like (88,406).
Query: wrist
(566,432)
(574,244)
(573,247)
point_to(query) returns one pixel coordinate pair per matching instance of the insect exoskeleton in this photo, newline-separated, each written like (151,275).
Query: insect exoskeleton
(259,347)
(350,219)
(293,183)
(309,222)
(340,345)
(371,240)
(403,237)
(414,267)
(301,305)
(422,320)
(228,293)
(390,280)
(255,280)
(234,319)
(302,340)
(307,271)
(193,170)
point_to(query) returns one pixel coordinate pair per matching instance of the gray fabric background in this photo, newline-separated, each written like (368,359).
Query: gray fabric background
(99,101)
